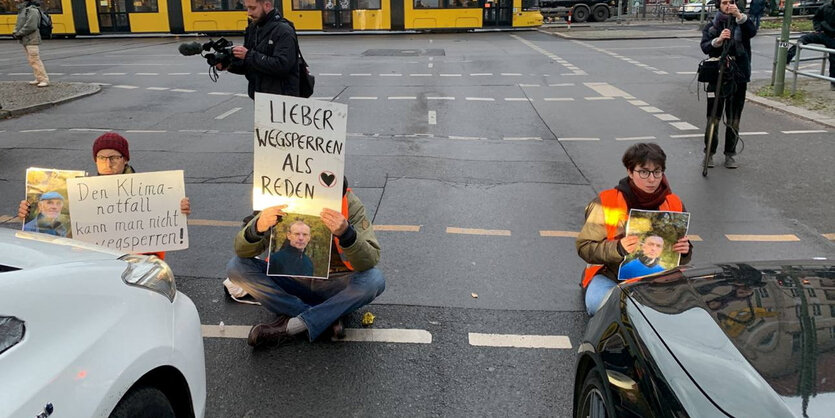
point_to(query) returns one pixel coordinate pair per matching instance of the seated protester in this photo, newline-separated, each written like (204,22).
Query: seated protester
(112,154)
(601,242)
(49,219)
(303,303)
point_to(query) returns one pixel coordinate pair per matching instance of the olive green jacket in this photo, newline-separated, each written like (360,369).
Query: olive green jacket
(594,248)
(26,27)
(363,254)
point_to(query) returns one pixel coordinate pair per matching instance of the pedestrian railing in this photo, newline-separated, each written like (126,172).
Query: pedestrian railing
(795,67)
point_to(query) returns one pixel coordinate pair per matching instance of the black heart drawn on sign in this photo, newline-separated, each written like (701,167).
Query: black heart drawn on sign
(327,178)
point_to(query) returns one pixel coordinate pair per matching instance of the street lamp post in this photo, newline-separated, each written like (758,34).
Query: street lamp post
(782,51)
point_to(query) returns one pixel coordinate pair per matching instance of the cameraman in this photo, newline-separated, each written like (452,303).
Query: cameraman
(732,29)
(268,58)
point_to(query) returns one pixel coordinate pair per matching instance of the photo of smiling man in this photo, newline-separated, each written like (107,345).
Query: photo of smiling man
(48,218)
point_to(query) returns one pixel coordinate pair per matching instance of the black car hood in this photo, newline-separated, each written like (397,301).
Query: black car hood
(758,338)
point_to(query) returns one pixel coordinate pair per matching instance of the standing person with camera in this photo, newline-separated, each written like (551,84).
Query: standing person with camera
(730,29)
(26,31)
(268,57)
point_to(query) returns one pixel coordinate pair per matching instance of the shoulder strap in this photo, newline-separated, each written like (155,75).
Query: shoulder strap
(282,19)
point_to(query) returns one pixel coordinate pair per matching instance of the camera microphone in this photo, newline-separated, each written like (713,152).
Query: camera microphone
(190,48)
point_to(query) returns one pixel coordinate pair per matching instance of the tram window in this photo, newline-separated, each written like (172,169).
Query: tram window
(304,4)
(368,4)
(8,7)
(462,3)
(145,6)
(427,4)
(530,5)
(214,5)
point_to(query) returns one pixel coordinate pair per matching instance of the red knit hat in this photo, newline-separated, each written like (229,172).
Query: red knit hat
(114,141)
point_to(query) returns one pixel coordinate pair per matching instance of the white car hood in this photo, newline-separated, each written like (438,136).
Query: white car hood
(25,250)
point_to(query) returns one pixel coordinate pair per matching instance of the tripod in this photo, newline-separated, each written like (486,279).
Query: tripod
(713,121)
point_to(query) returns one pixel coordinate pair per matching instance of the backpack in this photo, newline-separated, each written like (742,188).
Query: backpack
(306,80)
(45,25)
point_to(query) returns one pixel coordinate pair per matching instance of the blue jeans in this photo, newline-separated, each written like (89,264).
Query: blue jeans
(597,289)
(318,303)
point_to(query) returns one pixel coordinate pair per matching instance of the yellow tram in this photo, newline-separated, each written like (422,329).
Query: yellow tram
(86,17)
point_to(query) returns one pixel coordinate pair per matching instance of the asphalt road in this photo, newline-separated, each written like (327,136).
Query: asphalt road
(483,149)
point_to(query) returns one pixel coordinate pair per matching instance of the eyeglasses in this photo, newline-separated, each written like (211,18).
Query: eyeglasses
(111,158)
(644,174)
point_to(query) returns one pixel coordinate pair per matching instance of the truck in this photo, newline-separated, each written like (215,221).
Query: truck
(581,10)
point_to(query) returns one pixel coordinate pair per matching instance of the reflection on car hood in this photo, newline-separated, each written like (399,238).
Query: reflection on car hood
(758,338)
(25,250)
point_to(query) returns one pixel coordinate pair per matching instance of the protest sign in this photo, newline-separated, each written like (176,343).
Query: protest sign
(46,192)
(658,231)
(134,213)
(299,156)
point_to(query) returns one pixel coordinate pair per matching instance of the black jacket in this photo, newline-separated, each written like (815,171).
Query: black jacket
(740,50)
(824,19)
(271,63)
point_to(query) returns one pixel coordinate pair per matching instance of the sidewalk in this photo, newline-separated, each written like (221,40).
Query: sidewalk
(20,97)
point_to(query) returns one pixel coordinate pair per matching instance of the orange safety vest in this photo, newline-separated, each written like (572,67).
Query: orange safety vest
(614,211)
(336,240)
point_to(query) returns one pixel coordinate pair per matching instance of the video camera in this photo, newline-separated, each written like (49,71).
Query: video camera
(219,51)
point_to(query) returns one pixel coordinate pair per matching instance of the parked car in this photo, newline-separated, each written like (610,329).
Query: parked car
(738,340)
(692,11)
(806,7)
(89,332)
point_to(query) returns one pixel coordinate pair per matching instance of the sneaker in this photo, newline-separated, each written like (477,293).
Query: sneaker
(43,84)
(730,162)
(273,333)
(34,82)
(238,294)
(710,163)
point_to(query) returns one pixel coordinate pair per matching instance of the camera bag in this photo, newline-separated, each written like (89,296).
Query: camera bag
(709,70)
(306,80)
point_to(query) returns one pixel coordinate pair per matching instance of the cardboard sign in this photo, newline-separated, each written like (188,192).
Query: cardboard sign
(658,231)
(134,213)
(46,192)
(299,155)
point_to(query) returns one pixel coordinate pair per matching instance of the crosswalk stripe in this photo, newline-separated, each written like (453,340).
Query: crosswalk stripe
(683,126)
(762,237)
(666,117)
(476,231)
(520,341)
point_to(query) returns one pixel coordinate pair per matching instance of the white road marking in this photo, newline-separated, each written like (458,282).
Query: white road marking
(362,98)
(158,88)
(360,75)
(687,136)
(683,126)
(560,342)
(402,98)
(522,138)
(634,138)
(122,86)
(439,98)
(392,335)
(762,238)
(179,73)
(430,65)
(752,133)
(241,95)
(529,85)
(38,130)
(450,75)
(147,73)
(220,93)
(578,139)
(686,72)
(183,90)
(816,131)
(517,99)
(227,113)
(88,130)
(638,103)
(511,74)
(559,99)
(666,117)
(480,99)
(114,73)
(432,117)
(480,74)
(651,109)
(660,72)
(19,74)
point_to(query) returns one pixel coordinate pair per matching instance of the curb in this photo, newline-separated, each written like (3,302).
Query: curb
(793,110)
(4,114)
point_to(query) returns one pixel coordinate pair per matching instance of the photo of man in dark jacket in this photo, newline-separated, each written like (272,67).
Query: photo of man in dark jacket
(269,57)
(291,260)
(49,219)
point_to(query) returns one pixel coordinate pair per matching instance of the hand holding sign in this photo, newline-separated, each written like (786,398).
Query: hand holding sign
(269,217)
(334,220)
(630,243)
(682,246)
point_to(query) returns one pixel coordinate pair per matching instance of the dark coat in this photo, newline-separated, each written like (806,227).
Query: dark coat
(824,19)
(271,63)
(740,50)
